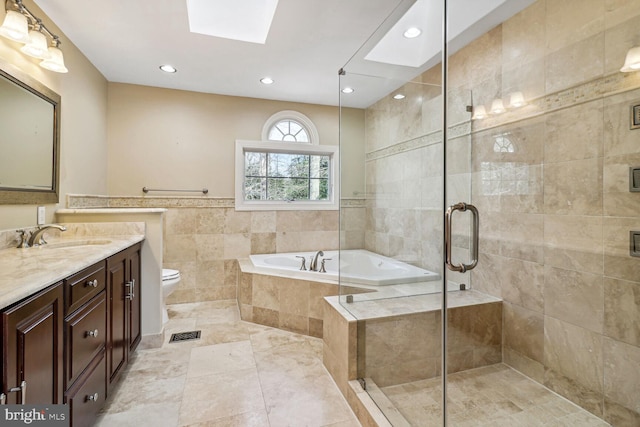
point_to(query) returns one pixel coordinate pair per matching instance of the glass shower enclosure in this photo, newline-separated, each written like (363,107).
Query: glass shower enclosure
(494,216)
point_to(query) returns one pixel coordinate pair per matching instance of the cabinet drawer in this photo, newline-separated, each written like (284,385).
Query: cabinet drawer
(85,335)
(83,286)
(88,394)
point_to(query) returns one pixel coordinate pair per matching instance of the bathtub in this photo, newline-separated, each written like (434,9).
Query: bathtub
(357,266)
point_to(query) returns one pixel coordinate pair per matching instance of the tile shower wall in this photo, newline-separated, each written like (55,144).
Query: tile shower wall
(551,182)
(203,237)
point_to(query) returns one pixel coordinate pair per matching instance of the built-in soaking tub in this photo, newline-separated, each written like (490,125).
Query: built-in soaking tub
(355,266)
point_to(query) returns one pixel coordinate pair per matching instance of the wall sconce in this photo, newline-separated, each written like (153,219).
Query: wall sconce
(479,112)
(516,100)
(497,107)
(16,27)
(632,61)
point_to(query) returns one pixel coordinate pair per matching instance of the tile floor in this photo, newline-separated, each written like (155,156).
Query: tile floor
(241,374)
(493,396)
(238,374)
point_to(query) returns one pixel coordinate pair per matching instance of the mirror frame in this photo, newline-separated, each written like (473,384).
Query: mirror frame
(10,196)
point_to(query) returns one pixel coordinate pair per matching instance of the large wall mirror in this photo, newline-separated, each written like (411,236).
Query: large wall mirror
(29,139)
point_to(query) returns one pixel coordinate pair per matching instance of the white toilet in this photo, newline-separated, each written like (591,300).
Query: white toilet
(170,280)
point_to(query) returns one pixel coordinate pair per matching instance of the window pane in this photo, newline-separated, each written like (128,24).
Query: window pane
(287,189)
(288,165)
(324,166)
(255,188)
(302,136)
(255,164)
(318,189)
(283,127)
(275,134)
(294,128)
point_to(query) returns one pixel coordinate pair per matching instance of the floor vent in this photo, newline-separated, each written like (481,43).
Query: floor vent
(185,336)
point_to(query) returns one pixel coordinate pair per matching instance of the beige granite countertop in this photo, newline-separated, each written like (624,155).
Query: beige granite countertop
(24,272)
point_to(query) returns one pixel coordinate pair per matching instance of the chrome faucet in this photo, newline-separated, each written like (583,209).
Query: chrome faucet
(314,261)
(36,237)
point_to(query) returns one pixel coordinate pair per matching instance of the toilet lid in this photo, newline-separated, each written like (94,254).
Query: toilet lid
(169,274)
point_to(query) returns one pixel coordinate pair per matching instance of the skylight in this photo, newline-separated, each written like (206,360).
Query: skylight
(246,20)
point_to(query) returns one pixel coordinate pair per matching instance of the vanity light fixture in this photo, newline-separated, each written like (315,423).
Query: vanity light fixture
(16,26)
(266,80)
(348,90)
(398,96)
(516,100)
(632,60)
(168,68)
(56,60)
(479,112)
(37,45)
(497,106)
(412,33)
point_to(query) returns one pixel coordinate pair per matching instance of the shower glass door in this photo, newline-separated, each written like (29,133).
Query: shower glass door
(391,255)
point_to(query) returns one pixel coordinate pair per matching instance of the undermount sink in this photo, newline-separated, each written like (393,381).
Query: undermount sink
(76,243)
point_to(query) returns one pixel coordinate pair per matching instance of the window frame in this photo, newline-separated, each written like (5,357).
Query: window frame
(332,151)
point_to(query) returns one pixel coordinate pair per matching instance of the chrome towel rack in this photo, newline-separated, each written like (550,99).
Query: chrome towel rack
(145,190)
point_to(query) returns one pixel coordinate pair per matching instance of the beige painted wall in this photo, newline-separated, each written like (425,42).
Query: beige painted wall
(164,138)
(83,127)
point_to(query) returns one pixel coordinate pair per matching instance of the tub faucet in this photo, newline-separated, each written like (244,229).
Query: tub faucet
(314,261)
(36,237)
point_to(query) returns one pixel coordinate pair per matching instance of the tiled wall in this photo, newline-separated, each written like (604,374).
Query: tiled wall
(555,209)
(400,349)
(203,237)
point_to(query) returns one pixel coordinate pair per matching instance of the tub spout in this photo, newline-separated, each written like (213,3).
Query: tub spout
(314,261)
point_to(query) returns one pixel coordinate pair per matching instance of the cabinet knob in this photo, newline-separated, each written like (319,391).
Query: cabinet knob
(92,283)
(92,397)
(93,333)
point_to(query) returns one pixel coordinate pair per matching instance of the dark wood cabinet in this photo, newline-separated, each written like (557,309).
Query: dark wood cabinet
(123,317)
(71,341)
(32,348)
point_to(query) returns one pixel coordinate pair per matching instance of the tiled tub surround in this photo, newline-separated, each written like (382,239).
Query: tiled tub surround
(555,211)
(288,301)
(29,270)
(203,236)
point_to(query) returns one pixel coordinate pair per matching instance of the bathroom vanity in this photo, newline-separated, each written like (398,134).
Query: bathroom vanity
(69,340)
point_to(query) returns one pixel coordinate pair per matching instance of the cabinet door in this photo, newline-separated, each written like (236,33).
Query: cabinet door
(134,301)
(32,347)
(117,325)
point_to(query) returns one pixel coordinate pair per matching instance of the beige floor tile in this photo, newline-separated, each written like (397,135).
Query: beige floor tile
(220,395)
(227,357)
(159,414)
(248,419)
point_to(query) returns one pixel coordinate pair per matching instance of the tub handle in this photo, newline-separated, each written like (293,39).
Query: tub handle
(303,266)
(322,269)
(448,237)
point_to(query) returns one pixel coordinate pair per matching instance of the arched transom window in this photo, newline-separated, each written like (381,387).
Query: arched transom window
(288,130)
(288,169)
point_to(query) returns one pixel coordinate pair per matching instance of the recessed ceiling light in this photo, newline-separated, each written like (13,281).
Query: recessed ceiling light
(348,90)
(266,80)
(398,96)
(168,68)
(412,33)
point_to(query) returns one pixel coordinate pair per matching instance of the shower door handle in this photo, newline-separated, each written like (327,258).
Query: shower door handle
(448,237)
